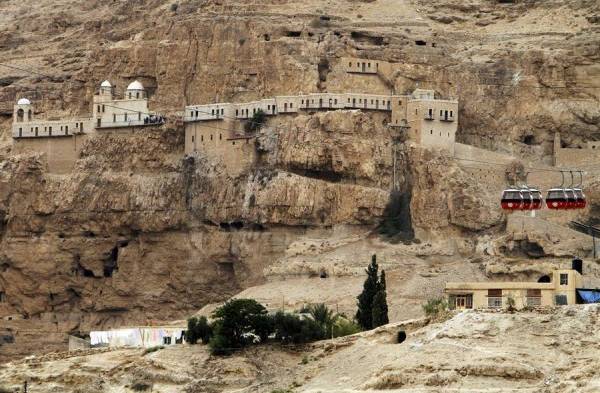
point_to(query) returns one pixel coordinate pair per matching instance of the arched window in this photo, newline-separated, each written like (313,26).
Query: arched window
(29,115)
(137,95)
(20,115)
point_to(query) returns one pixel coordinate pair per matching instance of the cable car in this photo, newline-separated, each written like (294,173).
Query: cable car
(532,199)
(581,201)
(512,199)
(571,198)
(556,199)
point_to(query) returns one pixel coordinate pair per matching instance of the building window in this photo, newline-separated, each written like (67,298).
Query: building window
(196,113)
(416,111)
(167,340)
(291,105)
(335,101)
(137,95)
(350,64)
(564,279)
(451,114)
(369,65)
(192,138)
(212,112)
(103,108)
(236,112)
(125,117)
(114,118)
(220,136)
(50,128)
(560,300)
(494,298)
(431,132)
(441,113)
(201,138)
(399,102)
(98,108)
(222,111)
(61,128)
(268,107)
(139,115)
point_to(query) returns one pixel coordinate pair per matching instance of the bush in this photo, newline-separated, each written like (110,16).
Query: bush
(434,307)
(256,122)
(219,345)
(343,327)
(198,329)
(291,329)
(322,315)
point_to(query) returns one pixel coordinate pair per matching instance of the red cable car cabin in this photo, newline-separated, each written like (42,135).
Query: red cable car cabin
(511,199)
(556,199)
(532,199)
(571,198)
(581,202)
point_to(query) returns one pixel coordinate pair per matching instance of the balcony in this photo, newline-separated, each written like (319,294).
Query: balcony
(428,116)
(447,118)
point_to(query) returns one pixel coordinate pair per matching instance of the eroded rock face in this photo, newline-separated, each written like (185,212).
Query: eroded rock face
(138,232)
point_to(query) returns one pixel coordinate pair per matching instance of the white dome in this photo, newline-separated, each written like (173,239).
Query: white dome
(23,101)
(135,85)
(105,84)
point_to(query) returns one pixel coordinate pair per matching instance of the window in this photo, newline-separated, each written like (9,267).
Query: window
(167,340)
(303,101)
(494,298)
(103,108)
(268,107)
(335,102)
(451,114)
(350,64)
(291,105)
(560,300)
(220,136)
(416,111)
(201,138)
(114,118)
(196,113)
(441,113)
(222,111)
(50,128)
(137,95)
(212,112)
(139,115)
(192,138)
(236,112)
(564,279)
(399,102)
(211,137)
(369,65)
(125,117)
(98,108)
(431,132)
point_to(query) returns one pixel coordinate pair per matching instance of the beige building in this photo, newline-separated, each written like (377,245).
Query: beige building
(130,111)
(217,129)
(560,290)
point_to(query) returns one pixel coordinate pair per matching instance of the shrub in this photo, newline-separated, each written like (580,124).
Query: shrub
(198,329)
(256,122)
(343,327)
(511,304)
(292,329)
(141,386)
(435,306)
(219,345)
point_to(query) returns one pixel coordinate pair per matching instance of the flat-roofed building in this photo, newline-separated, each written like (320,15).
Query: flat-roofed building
(559,289)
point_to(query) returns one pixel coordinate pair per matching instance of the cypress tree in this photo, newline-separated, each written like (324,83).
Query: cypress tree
(380,307)
(364,314)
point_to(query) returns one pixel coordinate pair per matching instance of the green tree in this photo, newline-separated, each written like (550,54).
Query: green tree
(238,320)
(290,328)
(364,314)
(323,316)
(198,329)
(380,307)
(256,122)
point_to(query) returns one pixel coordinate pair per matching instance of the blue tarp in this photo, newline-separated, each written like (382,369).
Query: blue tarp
(589,295)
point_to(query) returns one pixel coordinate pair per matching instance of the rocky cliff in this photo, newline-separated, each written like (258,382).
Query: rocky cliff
(139,233)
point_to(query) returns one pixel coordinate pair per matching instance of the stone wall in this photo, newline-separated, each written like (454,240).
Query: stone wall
(61,152)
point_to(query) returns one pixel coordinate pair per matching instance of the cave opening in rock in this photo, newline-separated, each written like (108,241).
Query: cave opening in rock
(89,234)
(401,337)
(2,297)
(226,268)
(293,33)
(529,140)
(110,263)
(544,278)
(420,43)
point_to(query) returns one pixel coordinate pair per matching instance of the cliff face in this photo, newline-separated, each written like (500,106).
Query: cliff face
(140,233)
